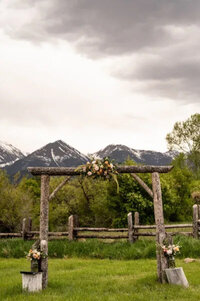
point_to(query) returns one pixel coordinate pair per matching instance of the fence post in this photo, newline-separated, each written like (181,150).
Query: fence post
(195,221)
(136,223)
(130,227)
(72,223)
(28,228)
(24,229)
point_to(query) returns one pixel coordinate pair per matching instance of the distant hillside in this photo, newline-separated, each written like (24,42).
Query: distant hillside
(120,153)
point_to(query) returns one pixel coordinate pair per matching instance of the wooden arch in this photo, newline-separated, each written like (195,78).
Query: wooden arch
(46,172)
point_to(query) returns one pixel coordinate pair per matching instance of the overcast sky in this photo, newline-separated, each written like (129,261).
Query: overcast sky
(96,72)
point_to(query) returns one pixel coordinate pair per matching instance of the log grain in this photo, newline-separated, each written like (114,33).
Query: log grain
(101,229)
(44,226)
(130,227)
(160,227)
(101,236)
(73,171)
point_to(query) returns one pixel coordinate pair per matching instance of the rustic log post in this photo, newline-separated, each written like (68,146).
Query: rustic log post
(72,223)
(44,215)
(198,211)
(195,221)
(160,226)
(136,223)
(24,229)
(130,227)
(28,228)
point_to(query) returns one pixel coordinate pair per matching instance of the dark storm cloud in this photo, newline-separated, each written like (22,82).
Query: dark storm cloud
(110,27)
(101,28)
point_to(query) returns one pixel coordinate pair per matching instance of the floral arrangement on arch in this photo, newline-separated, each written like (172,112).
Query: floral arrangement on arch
(97,168)
(170,252)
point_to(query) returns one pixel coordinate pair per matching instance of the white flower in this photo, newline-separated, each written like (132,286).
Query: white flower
(96,167)
(111,165)
(93,162)
(169,252)
(89,173)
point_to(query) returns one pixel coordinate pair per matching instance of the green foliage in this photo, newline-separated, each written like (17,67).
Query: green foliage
(185,138)
(15,204)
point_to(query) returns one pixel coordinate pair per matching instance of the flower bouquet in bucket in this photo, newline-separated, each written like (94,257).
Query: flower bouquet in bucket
(35,257)
(170,252)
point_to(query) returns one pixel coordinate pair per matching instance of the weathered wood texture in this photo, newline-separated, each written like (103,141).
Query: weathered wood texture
(32,282)
(130,227)
(10,235)
(101,229)
(52,195)
(136,228)
(26,227)
(136,223)
(101,236)
(71,171)
(23,228)
(143,184)
(72,224)
(160,227)
(176,276)
(166,226)
(195,221)
(44,225)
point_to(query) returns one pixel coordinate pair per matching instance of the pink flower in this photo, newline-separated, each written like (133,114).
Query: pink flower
(89,173)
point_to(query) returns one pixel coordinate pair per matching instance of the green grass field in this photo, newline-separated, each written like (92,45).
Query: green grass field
(94,279)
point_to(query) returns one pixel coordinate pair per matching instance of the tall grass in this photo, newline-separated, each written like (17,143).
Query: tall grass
(141,249)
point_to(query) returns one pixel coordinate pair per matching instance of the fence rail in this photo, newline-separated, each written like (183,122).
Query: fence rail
(132,233)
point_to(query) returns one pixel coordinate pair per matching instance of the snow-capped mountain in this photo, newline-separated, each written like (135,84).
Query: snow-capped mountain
(53,154)
(59,153)
(9,154)
(120,153)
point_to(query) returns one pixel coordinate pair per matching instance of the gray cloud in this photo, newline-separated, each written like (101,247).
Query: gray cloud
(109,27)
(125,27)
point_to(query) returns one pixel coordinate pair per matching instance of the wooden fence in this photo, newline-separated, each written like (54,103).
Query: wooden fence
(132,233)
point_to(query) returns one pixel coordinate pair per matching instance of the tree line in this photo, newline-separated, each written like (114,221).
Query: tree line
(97,202)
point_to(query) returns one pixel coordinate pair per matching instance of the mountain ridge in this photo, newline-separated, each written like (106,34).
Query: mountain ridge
(59,153)
(53,154)
(9,154)
(120,153)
